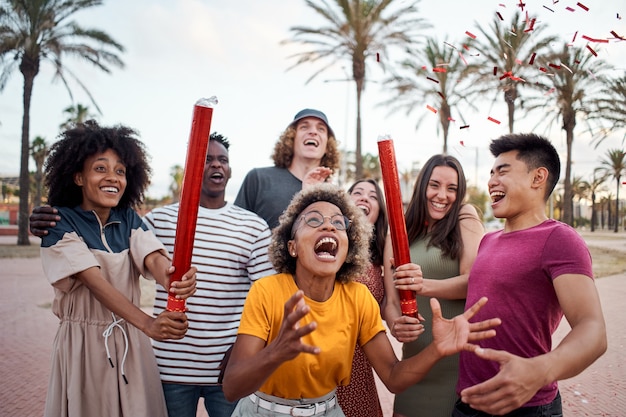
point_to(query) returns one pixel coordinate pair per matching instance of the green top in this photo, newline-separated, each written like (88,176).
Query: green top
(435,395)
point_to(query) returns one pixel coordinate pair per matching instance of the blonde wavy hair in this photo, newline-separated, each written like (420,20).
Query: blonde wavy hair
(359,232)
(283,150)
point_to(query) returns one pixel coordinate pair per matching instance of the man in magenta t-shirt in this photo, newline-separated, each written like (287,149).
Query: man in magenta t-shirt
(534,271)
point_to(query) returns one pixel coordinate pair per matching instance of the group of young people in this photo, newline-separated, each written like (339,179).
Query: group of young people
(306,337)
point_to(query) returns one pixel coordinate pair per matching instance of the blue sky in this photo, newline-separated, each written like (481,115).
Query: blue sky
(179,51)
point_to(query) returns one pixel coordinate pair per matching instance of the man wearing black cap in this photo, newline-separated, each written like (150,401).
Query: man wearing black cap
(307,149)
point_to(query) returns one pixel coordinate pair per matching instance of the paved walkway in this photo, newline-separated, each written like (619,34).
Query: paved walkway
(28,327)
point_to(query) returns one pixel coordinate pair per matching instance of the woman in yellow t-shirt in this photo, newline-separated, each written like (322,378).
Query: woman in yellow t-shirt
(299,327)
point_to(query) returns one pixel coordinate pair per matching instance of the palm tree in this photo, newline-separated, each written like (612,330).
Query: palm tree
(574,84)
(511,49)
(76,114)
(612,105)
(614,165)
(355,31)
(38,151)
(580,191)
(595,186)
(37,31)
(176,186)
(438,84)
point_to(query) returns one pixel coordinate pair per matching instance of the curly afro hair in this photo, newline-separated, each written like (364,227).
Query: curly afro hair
(359,232)
(68,155)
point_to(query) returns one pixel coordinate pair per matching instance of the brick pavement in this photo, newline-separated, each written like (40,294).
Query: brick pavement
(28,328)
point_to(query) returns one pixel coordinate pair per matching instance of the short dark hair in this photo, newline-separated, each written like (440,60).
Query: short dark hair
(220,139)
(68,155)
(535,151)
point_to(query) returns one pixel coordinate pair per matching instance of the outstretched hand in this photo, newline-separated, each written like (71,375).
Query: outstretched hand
(41,219)
(453,335)
(288,343)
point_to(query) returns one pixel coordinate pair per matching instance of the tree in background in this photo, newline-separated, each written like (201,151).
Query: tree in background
(611,106)
(38,151)
(511,49)
(75,114)
(432,76)
(176,186)
(573,84)
(614,165)
(594,186)
(357,31)
(36,31)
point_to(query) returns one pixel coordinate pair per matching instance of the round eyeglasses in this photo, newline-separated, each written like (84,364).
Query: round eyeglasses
(315,219)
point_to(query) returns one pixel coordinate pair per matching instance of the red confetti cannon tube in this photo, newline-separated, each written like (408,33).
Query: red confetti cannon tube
(397,224)
(190,194)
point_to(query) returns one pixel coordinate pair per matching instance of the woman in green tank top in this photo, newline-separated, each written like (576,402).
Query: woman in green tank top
(444,234)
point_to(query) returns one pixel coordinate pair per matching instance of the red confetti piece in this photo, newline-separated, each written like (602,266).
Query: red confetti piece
(495,70)
(577,61)
(432,109)
(464,127)
(491,119)
(521,5)
(592,51)
(531,27)
(574,38)
(582,6)
(532,58)
(542,69)
(461,142)
(546,7)
(462,57)
(442,96)
(451,119)
(377,57)
(590,39)
(569,9)
(466,47)
(616,35)
(433,80)
(439,70)
(554,66)
(424,67)
(502,5)
(470,34)
(499,15)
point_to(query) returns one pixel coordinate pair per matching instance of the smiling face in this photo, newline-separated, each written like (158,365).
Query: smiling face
(215,177)
(441,192)
(103,182)
(321,250)
(365,197)
(509,186)
(311,138)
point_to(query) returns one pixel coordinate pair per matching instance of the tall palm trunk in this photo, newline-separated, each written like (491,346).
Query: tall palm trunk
(29,69)
(358,72)
(569,122)
(593,211)
(444,118)
(509,96)
(616,227)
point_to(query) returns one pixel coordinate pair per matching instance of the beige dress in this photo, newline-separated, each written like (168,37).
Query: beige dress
(82,379)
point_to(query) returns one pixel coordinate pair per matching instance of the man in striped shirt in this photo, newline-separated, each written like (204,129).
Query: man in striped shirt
(230,252)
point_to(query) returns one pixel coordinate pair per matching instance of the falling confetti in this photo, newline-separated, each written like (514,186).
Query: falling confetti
(466,126)
(574,38)
(569,9)
(590,39)
(495,70)
(499,15)
(470,34)
(532,58)
(491,119)
(592,51)
(433,80)
(462,143)
(432,109)
(439,70)
(377,57)
(546,7)
(582,6)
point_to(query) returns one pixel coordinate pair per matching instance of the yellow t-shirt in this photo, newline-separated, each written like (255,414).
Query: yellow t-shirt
(350,316)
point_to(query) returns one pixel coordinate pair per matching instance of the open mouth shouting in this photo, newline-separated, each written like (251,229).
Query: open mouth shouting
(110,189)
(312,142)
(326,248)
(365,208)
(496,196)
(217,177)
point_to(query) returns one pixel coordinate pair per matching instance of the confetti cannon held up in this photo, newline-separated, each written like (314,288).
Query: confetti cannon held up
(190,194)
(395,211)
